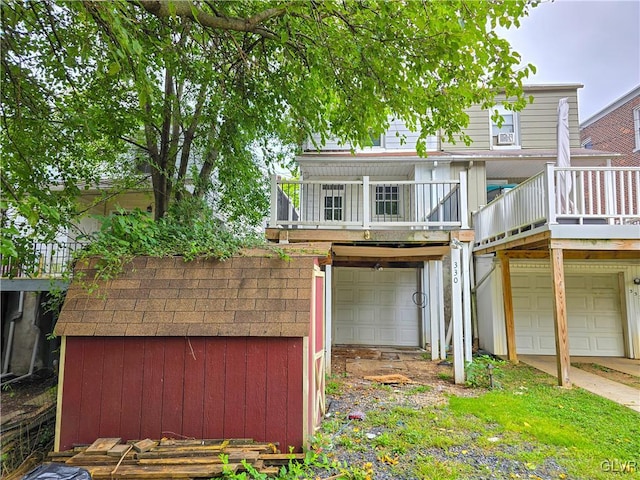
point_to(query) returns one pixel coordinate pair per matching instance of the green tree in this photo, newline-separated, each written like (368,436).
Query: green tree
(210,93)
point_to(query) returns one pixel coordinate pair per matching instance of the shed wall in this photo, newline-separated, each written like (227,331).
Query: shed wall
(197,387)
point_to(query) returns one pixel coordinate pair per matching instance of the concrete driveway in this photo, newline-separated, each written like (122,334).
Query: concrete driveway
(622,394)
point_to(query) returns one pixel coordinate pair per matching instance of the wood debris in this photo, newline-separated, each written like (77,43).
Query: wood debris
(107,458)
(392,379)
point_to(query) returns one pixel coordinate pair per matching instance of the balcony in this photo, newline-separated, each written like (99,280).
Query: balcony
(43,270)
(338,204)
(571,202)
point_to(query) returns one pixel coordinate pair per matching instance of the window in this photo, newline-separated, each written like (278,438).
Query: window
(636,126)
(333,208)
(587,143)
(387,200)
(506,135)
(376,140)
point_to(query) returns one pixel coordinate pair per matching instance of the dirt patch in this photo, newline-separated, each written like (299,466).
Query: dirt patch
(610,374)
(431,381)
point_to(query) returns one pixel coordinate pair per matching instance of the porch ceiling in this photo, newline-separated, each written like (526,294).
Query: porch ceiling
(340,168)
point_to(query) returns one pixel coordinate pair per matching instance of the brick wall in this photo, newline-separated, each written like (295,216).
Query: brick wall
(614,133)
(257,293)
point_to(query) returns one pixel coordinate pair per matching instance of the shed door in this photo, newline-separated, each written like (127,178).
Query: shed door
(593,314)
(376,307)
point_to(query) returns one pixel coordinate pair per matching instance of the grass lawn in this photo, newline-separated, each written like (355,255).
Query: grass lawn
(526,428)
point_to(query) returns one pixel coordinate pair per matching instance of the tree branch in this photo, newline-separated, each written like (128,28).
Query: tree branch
(160,8)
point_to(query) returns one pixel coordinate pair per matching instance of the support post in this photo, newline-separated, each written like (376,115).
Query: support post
(456,313)
(328,316)
(507,301)
(433,310)
(441,330)
(466,303)
(273,220)
(366,202)
(560,317)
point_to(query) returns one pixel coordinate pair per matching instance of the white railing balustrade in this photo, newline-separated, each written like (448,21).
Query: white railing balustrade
(364,204)
(562,195)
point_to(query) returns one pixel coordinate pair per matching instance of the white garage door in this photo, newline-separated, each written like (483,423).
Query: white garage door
(593,314)
(375,307)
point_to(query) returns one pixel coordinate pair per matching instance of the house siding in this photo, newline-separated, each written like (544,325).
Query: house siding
(478,130)
(537,122)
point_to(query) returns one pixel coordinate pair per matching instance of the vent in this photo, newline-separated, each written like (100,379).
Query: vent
(506,139)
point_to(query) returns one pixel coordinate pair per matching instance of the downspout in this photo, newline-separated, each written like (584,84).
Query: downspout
(12,326)
(34,353)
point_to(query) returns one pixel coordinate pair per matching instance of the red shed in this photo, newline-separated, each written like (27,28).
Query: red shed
(199,349)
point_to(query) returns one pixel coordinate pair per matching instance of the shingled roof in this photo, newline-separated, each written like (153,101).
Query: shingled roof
(258,292)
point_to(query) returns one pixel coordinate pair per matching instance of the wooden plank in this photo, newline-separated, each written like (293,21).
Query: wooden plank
(179,460)
(72,364)
(320,235)
(294,392)
(144,445)
(111,379)
(389,252)
(119,450)
(560,316)
(151,418)
(595,244)
(132,378)
(151,472)
(277,357)
(173,385)
(234,387)
(215,366)
(91,389)
(256,413)
(102,445)
(194,378)
(280,458)
(507,299)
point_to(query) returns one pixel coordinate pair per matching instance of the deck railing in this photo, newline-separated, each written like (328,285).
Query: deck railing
(562,195)
(365,204)
(46,260)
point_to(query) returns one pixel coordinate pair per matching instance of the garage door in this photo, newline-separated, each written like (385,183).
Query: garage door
(593,314)
(375,307)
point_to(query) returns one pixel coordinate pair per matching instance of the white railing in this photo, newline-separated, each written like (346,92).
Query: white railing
(562,195)
(365,204)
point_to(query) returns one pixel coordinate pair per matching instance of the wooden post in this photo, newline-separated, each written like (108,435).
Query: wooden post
(560,317)
(507,301)
(456,314)
(366,202)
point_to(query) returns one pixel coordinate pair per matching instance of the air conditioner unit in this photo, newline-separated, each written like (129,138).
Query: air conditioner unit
(506,138)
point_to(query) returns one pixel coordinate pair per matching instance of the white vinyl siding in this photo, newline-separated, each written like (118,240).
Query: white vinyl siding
(478,130)
(538,121)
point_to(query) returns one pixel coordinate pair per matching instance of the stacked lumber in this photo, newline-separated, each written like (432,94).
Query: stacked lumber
(108,458)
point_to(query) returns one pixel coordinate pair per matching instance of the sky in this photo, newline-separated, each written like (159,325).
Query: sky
(592,42)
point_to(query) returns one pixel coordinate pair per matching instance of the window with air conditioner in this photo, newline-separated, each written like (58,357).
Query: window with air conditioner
(505,135)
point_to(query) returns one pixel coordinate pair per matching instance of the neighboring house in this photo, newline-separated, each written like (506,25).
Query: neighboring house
(616,128)
(26,322)
(400,225)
